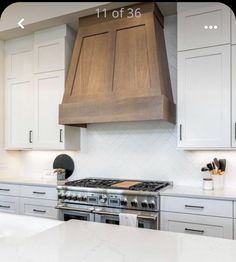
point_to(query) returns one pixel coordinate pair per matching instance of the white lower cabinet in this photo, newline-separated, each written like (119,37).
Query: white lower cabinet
(198,225)
(199,216)
(29,200)
(38,207)
(9,204)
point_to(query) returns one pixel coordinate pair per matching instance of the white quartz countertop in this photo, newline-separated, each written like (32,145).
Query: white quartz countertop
(27,180)
(186,191)
(89,242)
(17,227)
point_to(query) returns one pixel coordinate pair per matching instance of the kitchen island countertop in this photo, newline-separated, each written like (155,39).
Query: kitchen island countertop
(89,242)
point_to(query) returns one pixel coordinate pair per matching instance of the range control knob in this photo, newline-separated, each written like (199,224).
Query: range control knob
(124,202)
(84,198)
(144,204)
(74,197)
(68,196)
(152,204)
(60,195)
(103,199)
(134,203)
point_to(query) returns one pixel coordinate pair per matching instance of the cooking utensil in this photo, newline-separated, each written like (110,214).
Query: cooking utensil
(210,167)
(222,166)
(64,161)
(217,163)
(204,169)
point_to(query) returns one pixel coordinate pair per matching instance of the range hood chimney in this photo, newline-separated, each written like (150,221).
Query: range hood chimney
(119,70)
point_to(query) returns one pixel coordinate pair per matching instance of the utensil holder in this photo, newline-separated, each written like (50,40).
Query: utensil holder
(218,181)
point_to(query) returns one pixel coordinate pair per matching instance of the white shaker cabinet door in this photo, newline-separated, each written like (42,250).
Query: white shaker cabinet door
(234,95)
(203,26)
(19,114)
(204,98)
(48,93)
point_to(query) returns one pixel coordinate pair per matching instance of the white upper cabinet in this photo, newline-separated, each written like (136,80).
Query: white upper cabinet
(19,114)
(203,26)
(36,69)
(19,58)
(52,49)
(204,111)
(234,95)
(49,89)
(233,28)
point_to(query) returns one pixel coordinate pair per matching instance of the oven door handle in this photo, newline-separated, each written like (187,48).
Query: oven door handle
(73,209)
(153,217)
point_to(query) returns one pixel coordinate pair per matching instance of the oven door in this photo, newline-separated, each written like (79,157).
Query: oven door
(79,213)
(145,220)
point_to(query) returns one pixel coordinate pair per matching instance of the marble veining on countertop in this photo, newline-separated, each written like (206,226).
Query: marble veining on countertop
(188,191)
(27,180)
(89,242)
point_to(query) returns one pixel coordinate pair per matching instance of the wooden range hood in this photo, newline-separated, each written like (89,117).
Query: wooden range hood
(119,71)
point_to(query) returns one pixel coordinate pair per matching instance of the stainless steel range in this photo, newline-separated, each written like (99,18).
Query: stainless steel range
(102,200)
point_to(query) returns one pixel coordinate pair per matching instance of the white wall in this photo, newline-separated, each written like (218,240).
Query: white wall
(145,150)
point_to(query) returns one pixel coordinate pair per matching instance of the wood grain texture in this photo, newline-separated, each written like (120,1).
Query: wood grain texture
(119,72)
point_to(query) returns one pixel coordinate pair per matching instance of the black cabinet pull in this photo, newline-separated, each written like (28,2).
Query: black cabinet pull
(2,206)
(194,230)
(30,136)
(5,189)
(39,193)
(180,132)
(61,135)
(190,206)
(39,211)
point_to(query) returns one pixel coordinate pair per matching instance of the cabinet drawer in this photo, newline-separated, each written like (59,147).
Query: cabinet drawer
(9,189)
(38,207)
(197,206)
(39,192)
(198,225)
(192,32)
(9,204)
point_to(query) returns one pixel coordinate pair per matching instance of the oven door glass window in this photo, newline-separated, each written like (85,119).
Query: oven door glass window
(78,216)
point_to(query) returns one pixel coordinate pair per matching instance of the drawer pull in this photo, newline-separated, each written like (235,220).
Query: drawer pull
(39,211)
(2,206)
(39,193)
(5,189)
(197,207)
(194,230)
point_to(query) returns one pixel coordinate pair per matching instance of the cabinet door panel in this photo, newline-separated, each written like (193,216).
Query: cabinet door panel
(19,120)
(200,225)
(191,27)
(204,98)
(49,56)
(234,96)
(48,95)
(9,204)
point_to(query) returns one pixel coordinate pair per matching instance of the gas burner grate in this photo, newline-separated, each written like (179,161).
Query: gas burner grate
(93,183)
(150,186)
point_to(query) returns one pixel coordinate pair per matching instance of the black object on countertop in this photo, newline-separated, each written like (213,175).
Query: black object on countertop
(65,162)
